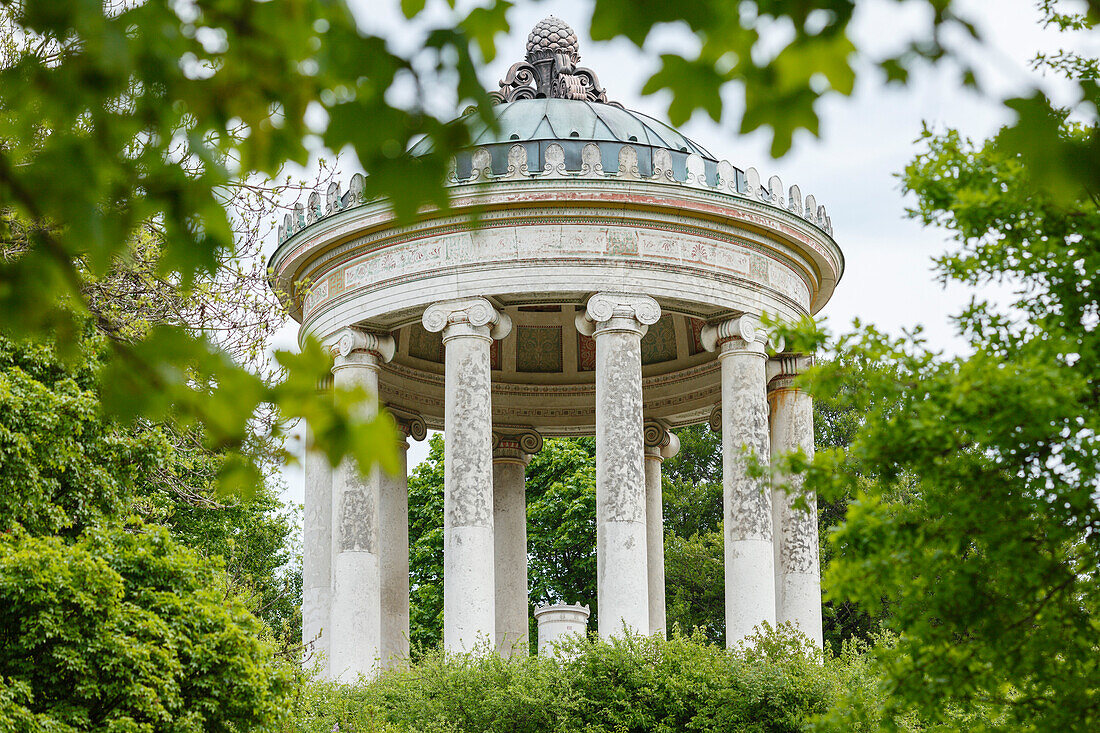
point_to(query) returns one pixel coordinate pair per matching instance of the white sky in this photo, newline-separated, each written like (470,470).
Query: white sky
(866,139)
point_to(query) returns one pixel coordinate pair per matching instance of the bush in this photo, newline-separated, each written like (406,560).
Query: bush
(621,686)
(127,631)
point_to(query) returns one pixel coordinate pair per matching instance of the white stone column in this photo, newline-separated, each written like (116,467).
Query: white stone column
(797,563)
(618,321)
(317,549)
(659,445)
(469,589)
(746,502)
(393,533)
(511,453)
(356,620)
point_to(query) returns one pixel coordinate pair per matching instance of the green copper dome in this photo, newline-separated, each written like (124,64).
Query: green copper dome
(572,124)
(569,119)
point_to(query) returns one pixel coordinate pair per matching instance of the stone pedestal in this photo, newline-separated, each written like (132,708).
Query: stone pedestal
(317,554)
(659,445)
(555,623)
(618,322)
(469,589)
(797,563)
(355,618)
(511,453)
(746,504)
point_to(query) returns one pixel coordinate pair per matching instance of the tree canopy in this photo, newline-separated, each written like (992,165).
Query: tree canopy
(108,127)
(975,478)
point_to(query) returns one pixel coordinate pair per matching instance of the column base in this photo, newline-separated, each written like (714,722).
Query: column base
(469,590)
(801,604)
(355,617)
(750,588)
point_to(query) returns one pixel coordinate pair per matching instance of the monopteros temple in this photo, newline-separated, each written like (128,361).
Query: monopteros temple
(613,284)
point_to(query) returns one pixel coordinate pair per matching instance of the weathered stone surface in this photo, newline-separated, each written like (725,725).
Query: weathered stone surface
(557,623)
(355,617)
(618,322)
(510,542)
(797,564)
(317,553)
(469,588)
(393,524)
(749,559)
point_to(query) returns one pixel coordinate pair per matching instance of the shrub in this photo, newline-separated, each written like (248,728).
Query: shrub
(777,684)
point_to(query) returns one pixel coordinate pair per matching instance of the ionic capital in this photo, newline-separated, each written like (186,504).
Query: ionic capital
(410,424)
(660,442)
(466,317)
(607,312)
(782,369)
(742,334)
(715,419)
(517,446)
(355,347)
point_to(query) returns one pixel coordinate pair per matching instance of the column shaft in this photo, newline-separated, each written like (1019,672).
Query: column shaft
(618,322)
(655,541)
(797,565)
(356,621)
(393,513)
(510,533)
(317,554)
(469,587)
(746,502)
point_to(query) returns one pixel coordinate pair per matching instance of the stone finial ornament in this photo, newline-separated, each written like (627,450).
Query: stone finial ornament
(550,69)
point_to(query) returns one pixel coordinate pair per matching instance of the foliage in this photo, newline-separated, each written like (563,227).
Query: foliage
(633,684)
(426,549)
(60,470)
(121,117)
(990,554)
(561,530)
(122,629)
(66,469)
(561,523)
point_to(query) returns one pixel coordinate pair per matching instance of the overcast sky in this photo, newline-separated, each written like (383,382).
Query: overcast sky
(866,139)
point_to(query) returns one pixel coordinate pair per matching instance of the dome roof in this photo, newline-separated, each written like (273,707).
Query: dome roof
(574,120)
(550,120)
(572,124)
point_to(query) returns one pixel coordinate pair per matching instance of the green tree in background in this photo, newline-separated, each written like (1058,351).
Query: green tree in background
(119,116)
(976,478)
(981,521)
(123,629)
(561,529)
(106,617)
